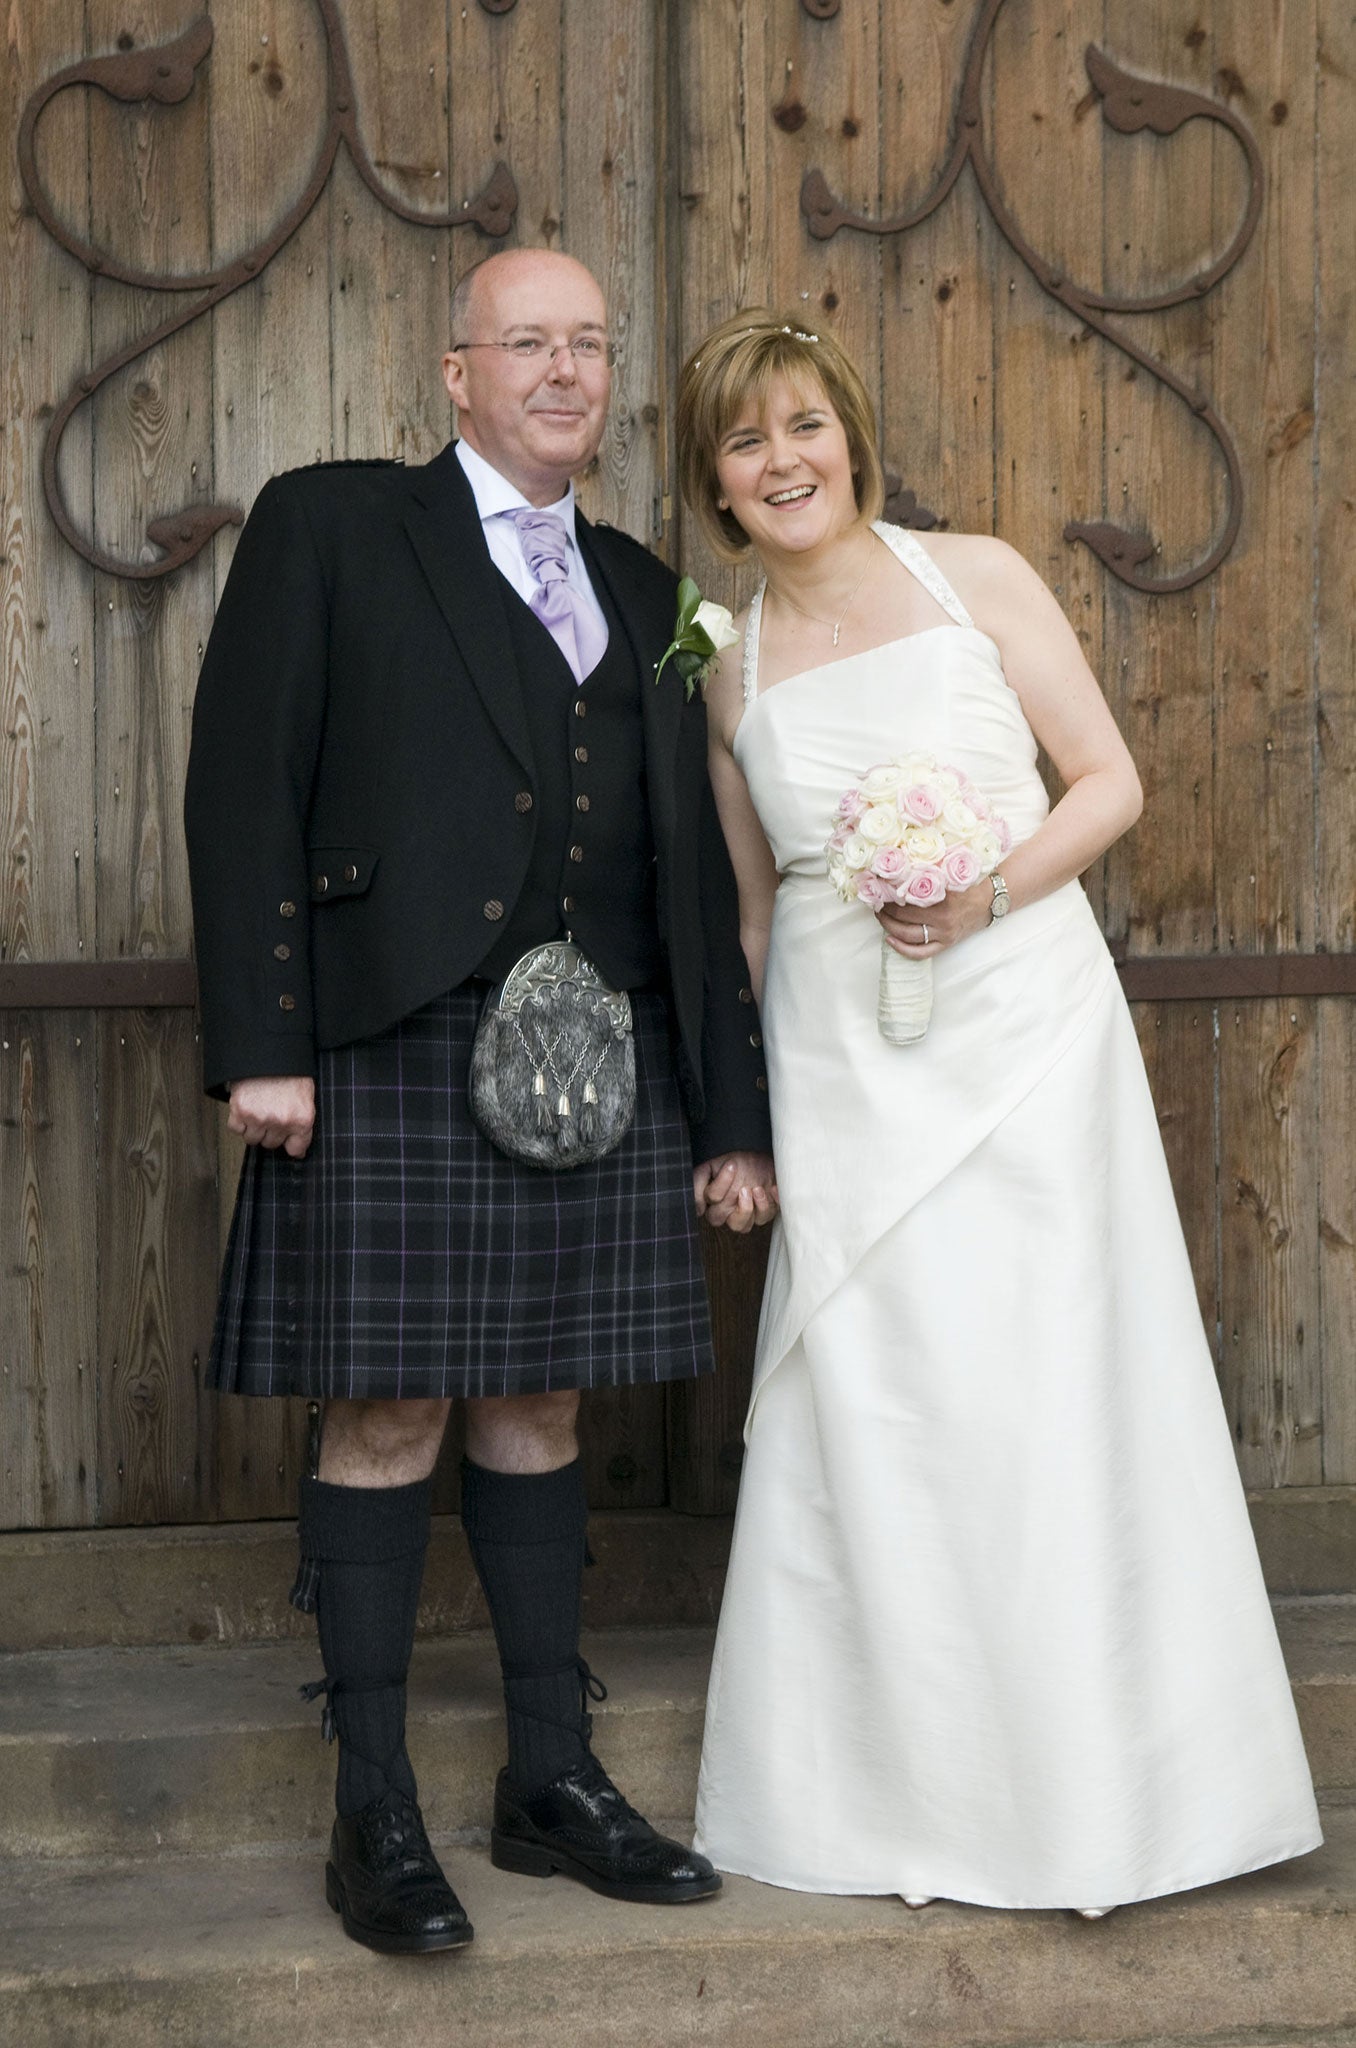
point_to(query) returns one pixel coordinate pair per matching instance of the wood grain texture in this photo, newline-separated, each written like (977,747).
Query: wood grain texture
(612,175)
(1336,1197)
(46,600)
(1264,384)
(48,1379)
(1163,478)
(1049,453)
(157,1233)
(1180,1059)
(937,317)
(1269,1303)
(706,1417)
(1335,479)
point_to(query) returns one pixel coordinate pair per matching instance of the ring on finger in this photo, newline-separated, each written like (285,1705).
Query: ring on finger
(925,935)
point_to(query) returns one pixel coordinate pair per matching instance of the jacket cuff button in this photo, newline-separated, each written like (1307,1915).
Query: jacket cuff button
(494,910)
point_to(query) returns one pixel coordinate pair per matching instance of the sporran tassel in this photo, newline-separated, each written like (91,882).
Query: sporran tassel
(588,1115)
(540,1104)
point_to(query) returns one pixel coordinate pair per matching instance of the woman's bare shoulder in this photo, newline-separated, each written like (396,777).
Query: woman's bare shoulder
(982,569)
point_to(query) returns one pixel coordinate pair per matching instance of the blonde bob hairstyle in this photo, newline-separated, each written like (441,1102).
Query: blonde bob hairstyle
(735,367)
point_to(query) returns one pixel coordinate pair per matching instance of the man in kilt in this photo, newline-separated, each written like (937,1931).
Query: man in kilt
(428,737)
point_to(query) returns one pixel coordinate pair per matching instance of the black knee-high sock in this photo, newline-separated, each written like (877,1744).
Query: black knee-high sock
(526,1534)
(362,1565)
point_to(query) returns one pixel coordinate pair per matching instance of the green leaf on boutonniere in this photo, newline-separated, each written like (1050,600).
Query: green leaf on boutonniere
(696,640)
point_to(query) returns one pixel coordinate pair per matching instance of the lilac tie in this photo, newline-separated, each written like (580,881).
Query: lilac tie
(577,631)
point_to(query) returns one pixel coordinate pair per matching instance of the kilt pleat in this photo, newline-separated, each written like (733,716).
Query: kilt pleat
(405,1257)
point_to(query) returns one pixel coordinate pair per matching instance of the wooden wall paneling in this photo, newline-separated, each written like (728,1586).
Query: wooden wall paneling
(612,220)
(1165,478)
(157,1239)
(46,598)
(48,1378)
(710,227)
(793,94)
(611,175)
(937,291)
(391,287)
(506,103)
(1264,385)
(1180,1058)
(706,1417)
(271,412)
(1049,369)
(1335,466)
(1272,1329)
(1337,1235)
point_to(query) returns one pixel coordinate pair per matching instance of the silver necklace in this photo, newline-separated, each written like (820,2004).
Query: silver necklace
(837,624)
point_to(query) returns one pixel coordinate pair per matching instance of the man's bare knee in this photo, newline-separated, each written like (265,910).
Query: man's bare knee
(381,1443)
(523,1432)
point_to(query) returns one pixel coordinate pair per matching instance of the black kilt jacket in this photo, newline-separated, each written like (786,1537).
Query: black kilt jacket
(354,805)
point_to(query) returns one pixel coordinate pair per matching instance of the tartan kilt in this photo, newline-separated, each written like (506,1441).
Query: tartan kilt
(405,1256)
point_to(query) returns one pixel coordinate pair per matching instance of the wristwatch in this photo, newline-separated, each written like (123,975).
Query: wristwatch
(1002,902)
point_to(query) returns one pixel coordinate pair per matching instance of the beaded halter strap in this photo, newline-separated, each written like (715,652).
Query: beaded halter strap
(907,550)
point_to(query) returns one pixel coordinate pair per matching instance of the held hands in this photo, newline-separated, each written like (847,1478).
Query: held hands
(958,914)
(738,1190)
(274,1110)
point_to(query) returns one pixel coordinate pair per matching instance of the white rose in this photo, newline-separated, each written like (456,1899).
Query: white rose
(986,848)
(880,825)
(924,844)
(856,851)
(958,817)
(916,767)
(946,784)
(881,784)
(715,621)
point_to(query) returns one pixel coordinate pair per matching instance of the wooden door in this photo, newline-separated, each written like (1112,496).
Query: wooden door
(698,158)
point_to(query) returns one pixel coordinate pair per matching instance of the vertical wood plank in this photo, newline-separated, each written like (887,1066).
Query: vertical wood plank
(1049,438)
(1270,1364)
(391,289)
(506,102)
(1163,477)
(706,1417)
(48,1381)
(271,412)
(1264,379)
(1337,1235)
(157,1236)
(612,182)
(1335,467)
(1178,1044)
(937,293)
(46,591)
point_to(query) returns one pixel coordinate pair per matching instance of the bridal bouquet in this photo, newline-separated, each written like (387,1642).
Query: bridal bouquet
(911,832)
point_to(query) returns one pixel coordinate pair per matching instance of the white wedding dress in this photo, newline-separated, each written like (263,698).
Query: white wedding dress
(994,1628)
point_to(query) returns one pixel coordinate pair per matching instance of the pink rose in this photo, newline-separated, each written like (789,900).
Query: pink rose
(850,806)
(873,893)
(925,886)
(1004,831)
(960,868)
(890,863)
(980,805)
(838,839)
(920,804)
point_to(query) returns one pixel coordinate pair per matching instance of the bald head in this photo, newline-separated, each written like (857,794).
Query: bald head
(526,399)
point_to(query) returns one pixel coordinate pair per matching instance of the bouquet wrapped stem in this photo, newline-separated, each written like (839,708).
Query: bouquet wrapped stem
(904,1004)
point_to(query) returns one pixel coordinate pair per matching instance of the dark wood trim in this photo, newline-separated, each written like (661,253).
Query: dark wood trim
(97,985)
(1237,977)
(1203,978)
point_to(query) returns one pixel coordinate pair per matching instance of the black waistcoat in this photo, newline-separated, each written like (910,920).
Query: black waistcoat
(592,868)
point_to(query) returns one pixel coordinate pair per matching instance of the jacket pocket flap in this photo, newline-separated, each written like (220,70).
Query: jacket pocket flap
(340,871)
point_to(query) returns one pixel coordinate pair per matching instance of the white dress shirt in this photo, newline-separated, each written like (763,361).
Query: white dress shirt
(495,496)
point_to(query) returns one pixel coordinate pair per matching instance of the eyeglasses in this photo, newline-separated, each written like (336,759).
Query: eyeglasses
(585,348)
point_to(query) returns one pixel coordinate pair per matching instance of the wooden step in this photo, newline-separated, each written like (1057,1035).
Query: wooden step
(137,1751)
(242,1952)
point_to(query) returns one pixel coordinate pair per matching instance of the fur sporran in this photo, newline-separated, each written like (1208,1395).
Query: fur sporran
(553,1067)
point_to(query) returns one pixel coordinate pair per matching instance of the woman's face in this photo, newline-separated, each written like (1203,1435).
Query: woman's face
(785,472)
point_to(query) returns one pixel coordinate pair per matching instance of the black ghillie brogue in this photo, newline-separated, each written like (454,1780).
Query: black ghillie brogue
(385,1882)
(580,1824)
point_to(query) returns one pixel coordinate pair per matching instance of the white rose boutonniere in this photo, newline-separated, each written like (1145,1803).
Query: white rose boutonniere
(701,631)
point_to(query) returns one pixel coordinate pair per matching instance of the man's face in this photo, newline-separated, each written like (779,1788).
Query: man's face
(537,418)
